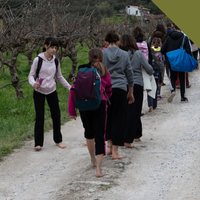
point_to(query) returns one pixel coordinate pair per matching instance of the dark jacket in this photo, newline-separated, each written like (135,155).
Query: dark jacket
(174,42)
(159,34)
(169,30)
(149,49)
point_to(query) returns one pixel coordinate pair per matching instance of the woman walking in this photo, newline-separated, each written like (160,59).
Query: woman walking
(117,62)
(134,125)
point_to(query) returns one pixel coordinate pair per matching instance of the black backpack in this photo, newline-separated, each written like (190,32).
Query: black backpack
(40,65)
(155,62)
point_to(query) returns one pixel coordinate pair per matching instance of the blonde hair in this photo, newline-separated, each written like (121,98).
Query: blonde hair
(96,58)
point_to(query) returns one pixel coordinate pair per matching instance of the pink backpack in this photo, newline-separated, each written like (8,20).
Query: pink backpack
(144,49)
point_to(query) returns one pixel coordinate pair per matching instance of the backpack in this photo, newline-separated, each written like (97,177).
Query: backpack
(40,65)
(155,62)
(87,89)
(144,49)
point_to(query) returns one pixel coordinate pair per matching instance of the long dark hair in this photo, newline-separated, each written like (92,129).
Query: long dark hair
(160,27)
(50,42)
(127,42)
(96,57)
(138,33)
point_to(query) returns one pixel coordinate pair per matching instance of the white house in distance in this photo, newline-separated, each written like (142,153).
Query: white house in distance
(135,10)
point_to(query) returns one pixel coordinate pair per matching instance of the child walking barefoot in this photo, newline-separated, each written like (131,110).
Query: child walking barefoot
(94,121)
(44,85)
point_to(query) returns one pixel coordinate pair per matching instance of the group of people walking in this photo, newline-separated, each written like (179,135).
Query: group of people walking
(119,68)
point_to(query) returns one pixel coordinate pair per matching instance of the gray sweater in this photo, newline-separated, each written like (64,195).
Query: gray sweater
(118,64)
(138,59)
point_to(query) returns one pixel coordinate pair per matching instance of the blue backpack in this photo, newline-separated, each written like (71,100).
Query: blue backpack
(87,89)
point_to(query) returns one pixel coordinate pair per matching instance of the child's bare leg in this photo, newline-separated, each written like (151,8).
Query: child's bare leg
(91,149)
(99,165)
(115,154)
(109,145)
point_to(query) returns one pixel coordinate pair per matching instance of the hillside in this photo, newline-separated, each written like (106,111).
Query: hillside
(106,7)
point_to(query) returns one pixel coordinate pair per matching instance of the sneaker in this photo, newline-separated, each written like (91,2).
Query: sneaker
(184,99)
(159,98)
(172,95)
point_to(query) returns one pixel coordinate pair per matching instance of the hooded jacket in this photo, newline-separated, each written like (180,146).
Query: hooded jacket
(118,63)
(159,34)
(174,42)
(169,30)
(47,72)
(137,59)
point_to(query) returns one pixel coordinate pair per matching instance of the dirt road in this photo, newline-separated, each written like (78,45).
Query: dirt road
(164,165)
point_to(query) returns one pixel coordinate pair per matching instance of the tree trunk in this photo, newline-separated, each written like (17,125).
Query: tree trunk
(30,53)
(13,70)
(15,82)
(73,57)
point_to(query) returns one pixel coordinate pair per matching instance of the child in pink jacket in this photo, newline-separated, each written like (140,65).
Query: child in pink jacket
(94,121)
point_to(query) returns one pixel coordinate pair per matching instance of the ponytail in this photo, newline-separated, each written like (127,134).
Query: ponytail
(96,57)
(101,68)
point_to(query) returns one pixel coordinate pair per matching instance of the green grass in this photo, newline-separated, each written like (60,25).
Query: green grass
(17,117)
(114,20)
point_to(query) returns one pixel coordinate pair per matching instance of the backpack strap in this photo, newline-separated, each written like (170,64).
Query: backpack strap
(56,63)
(182,45)
(38,67)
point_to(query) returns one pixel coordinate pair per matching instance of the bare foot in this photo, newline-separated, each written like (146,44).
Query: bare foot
(99,169)
(37,148)
(128,145)
(99,175)
(156,108)
(137,140)
(61,145)
(150,108)
(109,150)
(117,157)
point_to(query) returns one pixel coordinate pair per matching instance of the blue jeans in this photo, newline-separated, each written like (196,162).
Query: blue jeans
(153,102)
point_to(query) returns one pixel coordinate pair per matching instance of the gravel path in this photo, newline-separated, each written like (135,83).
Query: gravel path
(164,165)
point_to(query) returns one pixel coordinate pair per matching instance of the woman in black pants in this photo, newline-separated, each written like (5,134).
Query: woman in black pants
(138,60)
(43,82)
(118,64)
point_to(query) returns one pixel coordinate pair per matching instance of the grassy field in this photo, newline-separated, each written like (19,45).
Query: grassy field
(17,117)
